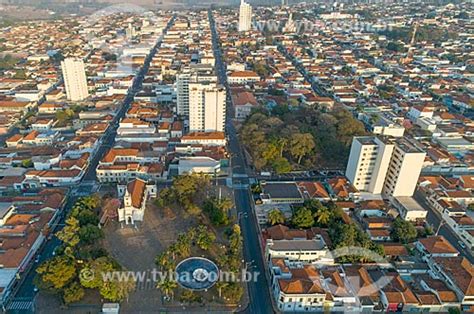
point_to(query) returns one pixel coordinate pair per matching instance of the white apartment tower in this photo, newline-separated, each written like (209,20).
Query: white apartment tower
(75,80)
(207,106)
(245,17)
(390,167)
(195,73)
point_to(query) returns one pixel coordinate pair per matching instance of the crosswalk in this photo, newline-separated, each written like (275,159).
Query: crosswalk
(21,305)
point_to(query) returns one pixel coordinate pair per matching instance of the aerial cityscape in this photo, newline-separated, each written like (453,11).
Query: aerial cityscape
(236,156)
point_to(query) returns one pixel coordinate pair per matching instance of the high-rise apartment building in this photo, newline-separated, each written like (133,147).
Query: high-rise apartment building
(195,73)
(75,79)
(245,17)
(386,166)
(207,106)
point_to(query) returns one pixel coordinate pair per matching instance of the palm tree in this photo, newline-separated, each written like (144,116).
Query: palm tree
(322,216)
(225,204)
(173,250)
(275,216)
(167,286)
(204,238)
(165,261)
(183,245)
(221,285)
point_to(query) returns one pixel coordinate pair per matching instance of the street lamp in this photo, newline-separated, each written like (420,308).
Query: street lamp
(441,223)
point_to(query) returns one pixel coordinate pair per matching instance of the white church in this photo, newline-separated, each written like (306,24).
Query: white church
(135,196)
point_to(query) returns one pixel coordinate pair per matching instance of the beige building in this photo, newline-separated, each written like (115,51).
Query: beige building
(245,17)
(75,79)
(387,166)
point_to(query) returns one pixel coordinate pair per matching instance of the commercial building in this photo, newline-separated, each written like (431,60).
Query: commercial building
(75,79)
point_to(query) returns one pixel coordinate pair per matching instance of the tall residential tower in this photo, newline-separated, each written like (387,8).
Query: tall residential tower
(245,17)
(75,79)
(207,105)
(386,166)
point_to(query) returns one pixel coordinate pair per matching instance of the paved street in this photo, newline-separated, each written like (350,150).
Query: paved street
(26,288)
(434,219)
(260,298)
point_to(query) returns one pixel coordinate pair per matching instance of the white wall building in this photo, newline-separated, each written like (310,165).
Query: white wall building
(195,73)
(245,17)
(404,170)
(384,166)
(368,163)
(299,250)
(135,196)
(75,79)
(207,103)
(198,164)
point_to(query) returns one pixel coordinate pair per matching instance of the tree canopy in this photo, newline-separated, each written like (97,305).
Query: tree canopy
(403,231)
(283,140)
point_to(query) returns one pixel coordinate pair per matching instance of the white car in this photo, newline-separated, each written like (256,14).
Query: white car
(462,244)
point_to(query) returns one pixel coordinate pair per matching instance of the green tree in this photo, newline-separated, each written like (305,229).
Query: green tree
(167,286)
(204,237)
(20,74)
(117,290)
(217,211)
(344,235)
(91,274)
(281,165)
(165,260)
(396,46)
(256,188)
(302,218)
(282,143)
(403,231)
(232,292)
(70,233)
(301,145)
(235,240)
(88,202)
(73,293)
(8,62)
(225,204)
(165,198)
(89,234)
(27,163)
(190,297)
(183,245)
(270,152)
(275,216)
(85,216)
(56,273)
(322,216)
(188,185)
